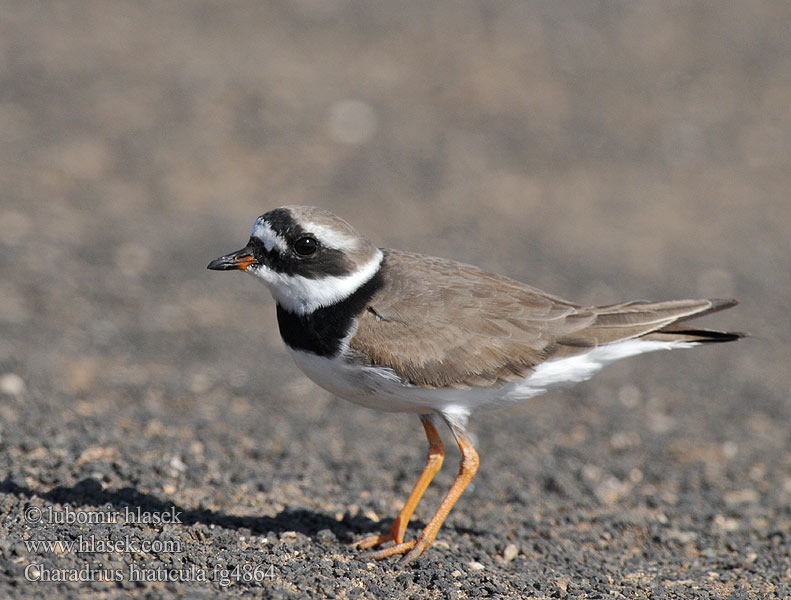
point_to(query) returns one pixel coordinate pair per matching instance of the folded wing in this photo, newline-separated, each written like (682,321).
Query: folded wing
(486,330)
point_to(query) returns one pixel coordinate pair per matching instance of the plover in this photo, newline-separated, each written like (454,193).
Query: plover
(402,332)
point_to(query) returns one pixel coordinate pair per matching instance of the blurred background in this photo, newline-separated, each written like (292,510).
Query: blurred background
(602,151)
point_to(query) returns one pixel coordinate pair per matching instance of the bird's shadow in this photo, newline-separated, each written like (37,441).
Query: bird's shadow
(89,492)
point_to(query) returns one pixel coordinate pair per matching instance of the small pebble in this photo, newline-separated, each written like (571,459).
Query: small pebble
(475,566)
(326,536)
(510,553)
(12,384)
(177,464)
(288,536)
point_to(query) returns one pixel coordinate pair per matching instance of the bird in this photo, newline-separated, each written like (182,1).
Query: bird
(398,331)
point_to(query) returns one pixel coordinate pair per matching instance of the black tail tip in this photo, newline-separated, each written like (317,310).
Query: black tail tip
(730,336)
(707,336)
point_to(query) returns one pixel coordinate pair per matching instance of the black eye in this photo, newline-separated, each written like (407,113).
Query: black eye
(305,246)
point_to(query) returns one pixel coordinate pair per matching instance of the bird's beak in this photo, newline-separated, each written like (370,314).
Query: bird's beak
(241,259)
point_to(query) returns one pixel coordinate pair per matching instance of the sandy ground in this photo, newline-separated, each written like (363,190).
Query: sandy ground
(601,151)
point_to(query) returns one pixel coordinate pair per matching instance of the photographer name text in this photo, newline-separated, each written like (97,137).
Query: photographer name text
(128,516)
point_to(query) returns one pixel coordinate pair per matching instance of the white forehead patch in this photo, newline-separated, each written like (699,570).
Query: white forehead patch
(268,236)
(331,238)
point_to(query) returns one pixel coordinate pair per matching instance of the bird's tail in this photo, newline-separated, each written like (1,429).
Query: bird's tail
(678,331)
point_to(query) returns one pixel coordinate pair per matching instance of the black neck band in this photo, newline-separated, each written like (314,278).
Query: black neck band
(322,331)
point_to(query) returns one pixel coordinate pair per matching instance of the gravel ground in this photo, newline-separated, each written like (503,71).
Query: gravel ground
(151,423)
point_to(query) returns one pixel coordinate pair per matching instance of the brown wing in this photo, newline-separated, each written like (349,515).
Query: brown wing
(438,323)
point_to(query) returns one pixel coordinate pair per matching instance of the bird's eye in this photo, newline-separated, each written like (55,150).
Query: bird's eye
(305,246)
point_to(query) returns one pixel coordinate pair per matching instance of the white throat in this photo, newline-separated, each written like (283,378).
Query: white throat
(302,295)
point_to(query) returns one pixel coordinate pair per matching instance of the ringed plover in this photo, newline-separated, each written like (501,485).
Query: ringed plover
(403,332)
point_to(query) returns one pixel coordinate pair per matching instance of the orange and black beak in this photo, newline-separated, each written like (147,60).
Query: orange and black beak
(241,259)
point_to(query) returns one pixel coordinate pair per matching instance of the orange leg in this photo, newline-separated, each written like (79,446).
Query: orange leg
(436,454)
(467,469)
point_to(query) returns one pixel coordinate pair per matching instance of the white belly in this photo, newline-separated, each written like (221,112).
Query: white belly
(381,389)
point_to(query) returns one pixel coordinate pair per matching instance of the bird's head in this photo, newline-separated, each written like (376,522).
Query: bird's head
(307,256)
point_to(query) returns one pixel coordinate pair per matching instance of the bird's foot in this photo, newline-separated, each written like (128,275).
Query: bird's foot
(411,549)
(396,534)
(374,540)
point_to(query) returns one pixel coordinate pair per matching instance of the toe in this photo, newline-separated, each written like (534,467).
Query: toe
(373,540)
(419,547)
(391,551)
